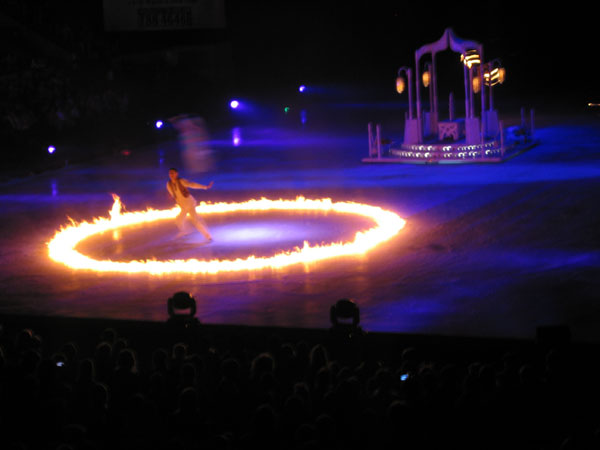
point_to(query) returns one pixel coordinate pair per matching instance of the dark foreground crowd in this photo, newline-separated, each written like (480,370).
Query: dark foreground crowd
(336,392)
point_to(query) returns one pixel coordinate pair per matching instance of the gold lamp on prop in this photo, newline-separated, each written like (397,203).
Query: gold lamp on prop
(426,78)
(476,85)
(470,58)
(495,76)
(401,86)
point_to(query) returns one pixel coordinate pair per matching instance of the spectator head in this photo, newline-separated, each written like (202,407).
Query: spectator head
(188,374)
(24,340)
(160,360)
(263,363)
(109,335)
(188,400)
(126,360)
(86,370)
(264,419)
(100,396)
(179,352)
(103,352)
(70,350)
(230,369)
(318,357)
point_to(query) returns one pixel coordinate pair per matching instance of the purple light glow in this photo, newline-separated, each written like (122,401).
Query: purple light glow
(281,232)
(234,104)
(236,136)
(302,88)
(158,124)
(51,149)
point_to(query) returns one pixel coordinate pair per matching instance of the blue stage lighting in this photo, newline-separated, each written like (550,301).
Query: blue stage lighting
(51,149)
(234,104)
(236,136)
(302,88)
(158,124)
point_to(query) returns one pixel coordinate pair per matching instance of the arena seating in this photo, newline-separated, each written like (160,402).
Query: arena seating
(102,384)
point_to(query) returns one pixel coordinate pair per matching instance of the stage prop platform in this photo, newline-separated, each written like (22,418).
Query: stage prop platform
(431,139)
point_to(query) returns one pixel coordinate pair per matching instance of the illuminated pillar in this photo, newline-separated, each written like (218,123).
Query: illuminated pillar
(482,92)
(410,94)
(434,80)
(430,70)
(471,102)
(417,85)
(466,78)
(411,125)
(408,72)
(491,106)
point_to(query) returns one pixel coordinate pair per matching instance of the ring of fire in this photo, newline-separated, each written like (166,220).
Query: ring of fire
(61,248)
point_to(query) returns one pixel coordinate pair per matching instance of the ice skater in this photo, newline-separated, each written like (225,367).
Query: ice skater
(178,189)
(194,140)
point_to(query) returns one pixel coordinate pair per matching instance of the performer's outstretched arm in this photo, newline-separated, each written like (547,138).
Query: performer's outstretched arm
(193,185)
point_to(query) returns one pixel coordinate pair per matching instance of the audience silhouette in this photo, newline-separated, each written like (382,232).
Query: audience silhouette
(295,389)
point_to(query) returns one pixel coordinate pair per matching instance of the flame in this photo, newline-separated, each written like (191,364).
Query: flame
(117,207)
(61,248)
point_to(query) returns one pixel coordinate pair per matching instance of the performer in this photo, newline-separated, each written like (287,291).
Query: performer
(194,142)
(178,189)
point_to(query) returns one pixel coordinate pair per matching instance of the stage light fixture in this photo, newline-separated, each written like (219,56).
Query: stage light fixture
(182,310)
(181,301)
(344,309)
(234,104)
(158,124)
(301,88)
(51,149)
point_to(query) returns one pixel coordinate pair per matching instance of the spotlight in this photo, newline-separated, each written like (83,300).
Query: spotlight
(182,308)
(158,124)
(344,309)
(234,104)
(51,149)
(301,88)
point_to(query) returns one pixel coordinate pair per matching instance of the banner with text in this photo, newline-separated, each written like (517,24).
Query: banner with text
(155,15)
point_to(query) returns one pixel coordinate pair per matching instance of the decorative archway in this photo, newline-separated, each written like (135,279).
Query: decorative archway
(449,40)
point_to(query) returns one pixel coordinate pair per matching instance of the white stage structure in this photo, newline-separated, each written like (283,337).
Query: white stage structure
(430,137)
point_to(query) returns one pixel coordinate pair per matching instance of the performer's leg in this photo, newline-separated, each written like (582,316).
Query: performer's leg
(199,223)
(179,220)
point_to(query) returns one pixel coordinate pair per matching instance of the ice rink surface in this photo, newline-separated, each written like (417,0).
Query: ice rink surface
(488,250)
